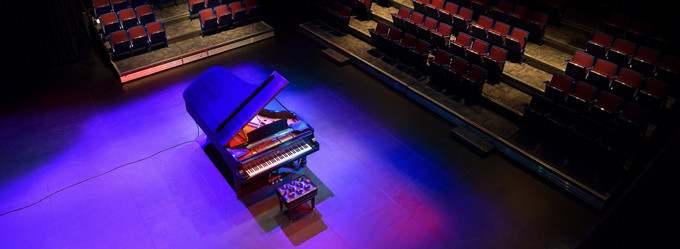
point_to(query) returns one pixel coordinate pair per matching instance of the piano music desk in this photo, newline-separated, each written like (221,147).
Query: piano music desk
(296,192)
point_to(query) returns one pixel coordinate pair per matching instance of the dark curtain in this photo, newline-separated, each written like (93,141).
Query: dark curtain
(66,32)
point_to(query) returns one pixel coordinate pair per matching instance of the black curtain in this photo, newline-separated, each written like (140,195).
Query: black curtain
(66,31)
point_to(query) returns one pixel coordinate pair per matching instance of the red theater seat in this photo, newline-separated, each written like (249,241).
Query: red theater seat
(579,65)
(238,13)
(621,52)
(157,36)
(559,87)
(399,17)
(407,43)
(101,7)
(195,6)
(606,108)
(494,62)
(128,18)
(441,36)
(379,35)
(253,8)
(418,55)
(627,83)
(633,120)
(498,33)
(459,46)
(475,53)
(208,21)
(120,45)
(441,60)
(432,8)
(645,60)
(599,44)
(110,23)
(223,17)
(616,25)
(462,20)
(145,14)
(481,28)
(602,74)
(419,5)
(581,98)
(654,94)
(519,14)
(515,44)
(501,11)
(559,121)
(455,71)
(536,112)
(535,24)
(425,29)
(445,14)
(139,42)
(411,24)
(473,81)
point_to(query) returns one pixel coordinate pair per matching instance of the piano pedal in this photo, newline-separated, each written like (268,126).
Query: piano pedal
(274,179)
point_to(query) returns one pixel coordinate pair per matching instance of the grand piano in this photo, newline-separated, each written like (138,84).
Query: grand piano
(253,141)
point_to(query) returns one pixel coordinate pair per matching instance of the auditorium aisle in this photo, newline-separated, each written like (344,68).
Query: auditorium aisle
(390,175)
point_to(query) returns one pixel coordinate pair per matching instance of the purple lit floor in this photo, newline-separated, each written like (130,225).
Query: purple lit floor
(389,173)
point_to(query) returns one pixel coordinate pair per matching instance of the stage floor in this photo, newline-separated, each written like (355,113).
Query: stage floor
(387,179)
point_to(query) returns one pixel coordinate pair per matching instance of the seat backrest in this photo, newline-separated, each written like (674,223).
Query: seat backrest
(221,10)
(404,13)
(444,29)
(465,13)
(417,18)
(656,87)
(619,20)
(136,31)
(408,40)
(464,39)
(561,81)
(629,77)
(624,46)
(501,27)
(381,28)
(671,63)
(430,23)
(497,53)
(521,11)
(394,34)
(583,59)
(504,6)
(451,7)
(485,21)
(477,74)
(480,46)
(437,3)
(602,38)
(442,57)
(459,64)
(647,54)
(422,47)
(609,101)
(520,35)
(605,67)
(585,91)
(538,17)
(635,113)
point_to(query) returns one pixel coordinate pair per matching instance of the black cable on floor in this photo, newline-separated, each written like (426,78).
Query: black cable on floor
(104,173)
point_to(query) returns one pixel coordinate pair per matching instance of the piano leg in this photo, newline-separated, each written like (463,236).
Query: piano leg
(302,161)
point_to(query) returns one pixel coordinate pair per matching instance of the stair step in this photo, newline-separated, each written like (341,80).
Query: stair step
(336,56)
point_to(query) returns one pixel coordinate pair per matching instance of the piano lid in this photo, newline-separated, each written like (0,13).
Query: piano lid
(226,103)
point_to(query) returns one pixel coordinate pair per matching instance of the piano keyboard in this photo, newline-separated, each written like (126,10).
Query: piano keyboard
(275,158)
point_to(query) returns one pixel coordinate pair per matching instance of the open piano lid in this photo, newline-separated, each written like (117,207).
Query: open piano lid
(226,103)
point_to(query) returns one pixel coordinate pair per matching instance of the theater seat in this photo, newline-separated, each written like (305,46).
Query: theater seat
(379,35)
(473,81)
(459,46)
(501,10)
(639,31)
(411,24)
(627,83)
(208,21)
(157,36)
(209,4)
(223,15)
(238,13)
(481,28)
(518,16)
(139,41)
(633,120)
(494,62)
(455,72)
(669,71)
(602,74)
(128,18)
(432,8)
(579,65)
(606,108)
(425,29)
(599,44)
(120,45)
(654,94)
(101,7)
(645,60)
(398,18)
(195,6)
(119,5)
(535,24)
(403,46)
(581,97)
(462,20)
(497,34)
(418,55)
(559,121)
(584,135)
(136,3)
(480,7)
(621,52)
(445,14)
(110,23)
(515,44)
(363,9)
(441,36)
(419,5)
(559,87)
(475,53)
(145,14)
(253,9)
(535,113)
(441,60)
(617,24)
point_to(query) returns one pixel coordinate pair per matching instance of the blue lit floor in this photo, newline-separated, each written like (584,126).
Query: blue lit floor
(390,175)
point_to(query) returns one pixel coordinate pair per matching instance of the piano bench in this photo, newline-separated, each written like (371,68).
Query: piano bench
(295,193)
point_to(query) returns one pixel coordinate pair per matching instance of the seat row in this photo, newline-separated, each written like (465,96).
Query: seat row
(516,15)
(501,34)
(241,10)
(138,39)
(602,73)
(334,13)
(459,18)
(624,53)
(223,17)
(401,46)
(480,52)
(126,18)
(100,7)
(457,73)
(585,131)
